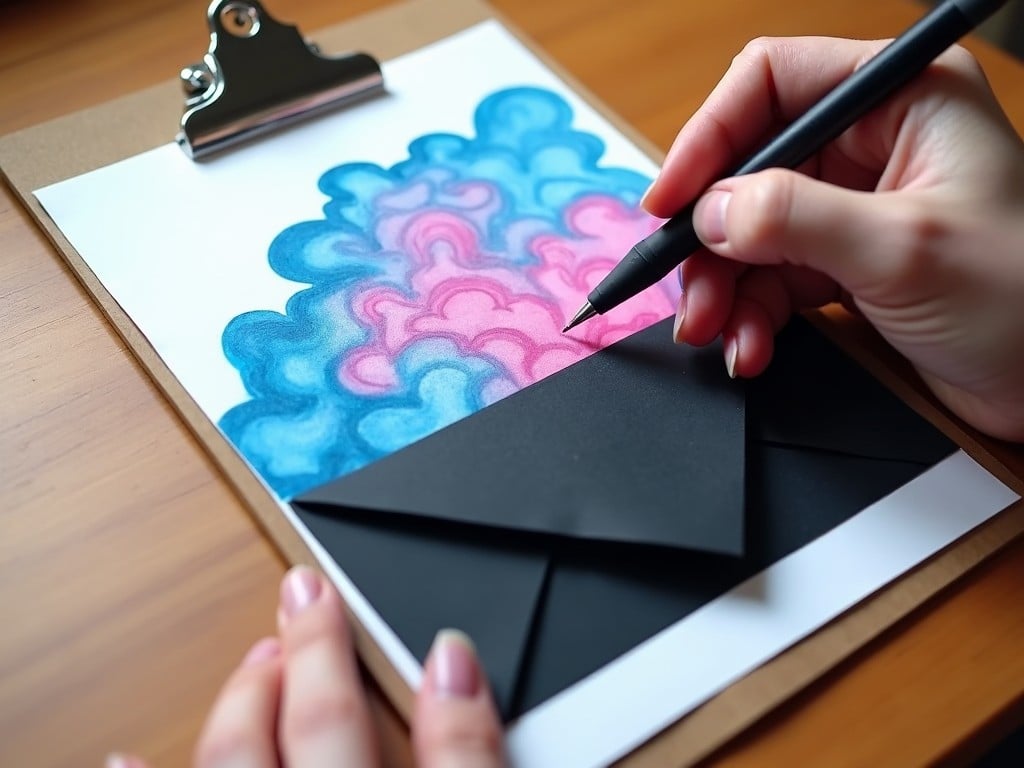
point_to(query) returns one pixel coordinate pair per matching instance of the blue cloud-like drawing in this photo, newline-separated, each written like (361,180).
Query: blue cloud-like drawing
(303,425)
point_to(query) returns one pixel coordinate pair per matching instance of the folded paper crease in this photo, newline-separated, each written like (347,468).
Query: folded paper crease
(549,598)
(642,442)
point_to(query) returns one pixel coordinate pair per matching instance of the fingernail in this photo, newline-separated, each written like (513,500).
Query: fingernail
(266,649)
(117,760)
(299,590)
(645,195)
(709,216)
(453,668)
(677,326)
(732,350)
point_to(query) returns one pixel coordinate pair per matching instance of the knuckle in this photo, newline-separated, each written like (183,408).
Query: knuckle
(231,737)
(762,209)
(306,632)
(922,230)
(465,740)
(755,56)
(758,49)
(316,627)
(963,60)
(312,716)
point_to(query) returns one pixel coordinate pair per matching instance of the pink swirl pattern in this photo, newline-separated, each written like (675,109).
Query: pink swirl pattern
(489,305)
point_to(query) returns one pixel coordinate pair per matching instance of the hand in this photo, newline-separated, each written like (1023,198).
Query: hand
(914,218)
(298,700)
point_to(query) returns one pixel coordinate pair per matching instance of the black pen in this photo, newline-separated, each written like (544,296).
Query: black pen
(894,66)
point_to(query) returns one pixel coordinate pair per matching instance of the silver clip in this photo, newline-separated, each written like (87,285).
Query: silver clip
(260,75)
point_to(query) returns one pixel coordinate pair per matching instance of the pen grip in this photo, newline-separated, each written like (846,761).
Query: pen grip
(648,261)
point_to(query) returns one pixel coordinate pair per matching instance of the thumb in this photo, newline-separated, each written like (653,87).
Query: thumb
(783,217)
(455,723)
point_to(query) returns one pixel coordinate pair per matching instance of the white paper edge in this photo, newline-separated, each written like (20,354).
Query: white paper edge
(621,706)
(398,654)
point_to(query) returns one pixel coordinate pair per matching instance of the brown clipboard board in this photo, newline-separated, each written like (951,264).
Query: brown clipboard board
(54,151)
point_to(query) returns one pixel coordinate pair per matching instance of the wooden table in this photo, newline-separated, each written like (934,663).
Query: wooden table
(131,577)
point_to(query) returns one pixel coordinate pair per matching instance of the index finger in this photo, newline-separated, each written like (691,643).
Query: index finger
(325,720)
(772,81)
(240,727)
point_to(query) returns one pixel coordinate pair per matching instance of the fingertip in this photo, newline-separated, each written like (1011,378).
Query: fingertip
(266,649)
(731,352)
(659,200)
(643,204)
(453,669)
(324,718)
(678,332)
(754,356)
(239,729)
(698,155)
(709,217)
(710,287)
(749,340)
(301,587)
(456,721)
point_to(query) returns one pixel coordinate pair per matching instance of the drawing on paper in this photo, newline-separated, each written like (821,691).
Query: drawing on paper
(436,287)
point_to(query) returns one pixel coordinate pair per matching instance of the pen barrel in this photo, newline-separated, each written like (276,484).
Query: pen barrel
(647,262)
(978,10)
(893,67)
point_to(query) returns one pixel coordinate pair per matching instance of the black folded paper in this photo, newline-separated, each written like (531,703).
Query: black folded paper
(571,521)
(642,442)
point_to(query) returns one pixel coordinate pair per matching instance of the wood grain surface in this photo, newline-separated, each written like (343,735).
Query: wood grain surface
(132,579)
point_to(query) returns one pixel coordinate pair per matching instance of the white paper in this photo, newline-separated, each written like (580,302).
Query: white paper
(180,284)
(616,709)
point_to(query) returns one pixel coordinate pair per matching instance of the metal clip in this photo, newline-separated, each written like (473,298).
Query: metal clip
(260,75)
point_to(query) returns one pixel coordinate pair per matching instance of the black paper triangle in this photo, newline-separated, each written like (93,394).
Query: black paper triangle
(421,580)
(641,442)
(814,395)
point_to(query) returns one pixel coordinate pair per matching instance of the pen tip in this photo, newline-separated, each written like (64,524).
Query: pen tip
(585,312)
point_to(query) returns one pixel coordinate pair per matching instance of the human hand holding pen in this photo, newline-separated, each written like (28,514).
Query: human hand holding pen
(914,217)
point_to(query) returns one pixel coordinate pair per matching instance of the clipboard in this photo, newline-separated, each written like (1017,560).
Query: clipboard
(139,122)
